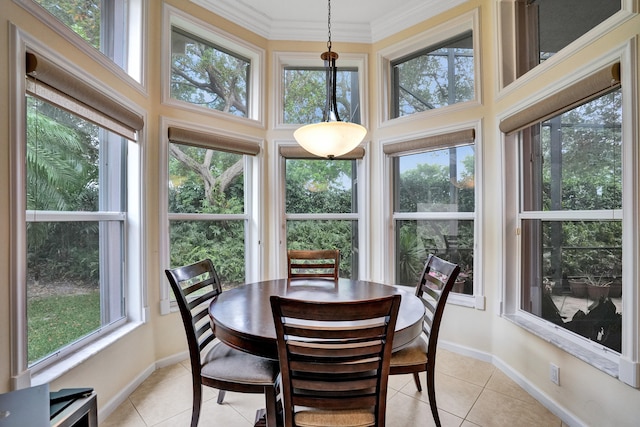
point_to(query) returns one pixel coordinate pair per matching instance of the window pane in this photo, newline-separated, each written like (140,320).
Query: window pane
(63,286)
(221,241)
(208,75)
(102,24)
(205,181)
(451,240)
(573,162)
(84,17)
(75,267)
(433,78)
(320,186)
(327,234)
(62,160)
(579,284)
(305,95)
(581,155)
(436,181)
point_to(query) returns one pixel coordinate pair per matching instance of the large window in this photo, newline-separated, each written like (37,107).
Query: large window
(434,77)
(208,75)
(571,220)
(210,208)
(209,71)
(206,210)
(571,198)
(434,205)
(80,183)
(75,228)
(321,206)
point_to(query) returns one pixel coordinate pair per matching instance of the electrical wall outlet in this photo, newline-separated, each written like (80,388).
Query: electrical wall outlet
(554,374)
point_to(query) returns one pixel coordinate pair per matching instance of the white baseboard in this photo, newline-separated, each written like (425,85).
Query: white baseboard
(108,408)
(558,410)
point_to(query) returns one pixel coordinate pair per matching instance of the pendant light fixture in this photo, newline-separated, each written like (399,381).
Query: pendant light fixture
(332,137)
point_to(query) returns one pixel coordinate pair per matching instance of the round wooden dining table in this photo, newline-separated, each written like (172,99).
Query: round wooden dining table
(241,317)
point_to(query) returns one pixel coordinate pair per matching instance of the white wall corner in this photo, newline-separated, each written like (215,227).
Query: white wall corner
(165,306)
(22,380)
(629,372)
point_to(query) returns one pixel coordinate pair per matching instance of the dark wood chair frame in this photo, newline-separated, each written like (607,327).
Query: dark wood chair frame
(433,288)
(297,268)
(329,366)
(193,301)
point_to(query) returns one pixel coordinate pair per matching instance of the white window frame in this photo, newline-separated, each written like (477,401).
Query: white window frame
(506,50)
(279,211)
(134,292)
(137,11)
(433,36)
(626,365)
(253,199)
(173,17)
(477,299)
(281,60)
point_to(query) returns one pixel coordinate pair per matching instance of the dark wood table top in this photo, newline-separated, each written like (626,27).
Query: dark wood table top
(242,318)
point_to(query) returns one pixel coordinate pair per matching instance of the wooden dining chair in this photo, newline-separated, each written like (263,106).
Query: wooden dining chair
(334,360)
(314,263)
(213,363)
(433,288)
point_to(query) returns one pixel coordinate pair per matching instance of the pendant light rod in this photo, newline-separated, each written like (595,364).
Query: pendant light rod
(332,74)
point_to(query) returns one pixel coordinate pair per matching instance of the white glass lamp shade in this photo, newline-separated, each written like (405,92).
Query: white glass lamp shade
(330,139)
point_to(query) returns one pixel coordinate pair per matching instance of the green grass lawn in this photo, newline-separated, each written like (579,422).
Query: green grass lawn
(56,321)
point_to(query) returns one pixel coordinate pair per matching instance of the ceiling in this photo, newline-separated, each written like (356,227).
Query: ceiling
(360,21)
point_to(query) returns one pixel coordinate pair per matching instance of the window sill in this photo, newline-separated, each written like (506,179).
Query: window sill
(583,353)
(56,370)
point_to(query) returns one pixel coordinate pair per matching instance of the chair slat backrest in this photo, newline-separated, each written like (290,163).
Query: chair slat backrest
(335,355)
(194,287)
(433,289)
(313,263)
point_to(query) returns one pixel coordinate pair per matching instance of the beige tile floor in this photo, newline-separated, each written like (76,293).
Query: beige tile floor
(470,393)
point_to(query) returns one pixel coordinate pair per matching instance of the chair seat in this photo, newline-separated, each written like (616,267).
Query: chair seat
(337,418)
(224,363)
(415,353)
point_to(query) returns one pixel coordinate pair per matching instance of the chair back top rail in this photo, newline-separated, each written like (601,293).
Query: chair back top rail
(313,263)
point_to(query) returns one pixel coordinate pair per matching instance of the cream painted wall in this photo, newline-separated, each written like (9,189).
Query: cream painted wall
(586,394)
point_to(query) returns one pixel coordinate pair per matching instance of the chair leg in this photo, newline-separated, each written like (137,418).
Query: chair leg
(197,403)
(221,396)
(271,409)
(432,394)
(416,379)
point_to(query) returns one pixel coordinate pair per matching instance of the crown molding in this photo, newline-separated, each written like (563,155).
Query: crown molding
(243,14)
